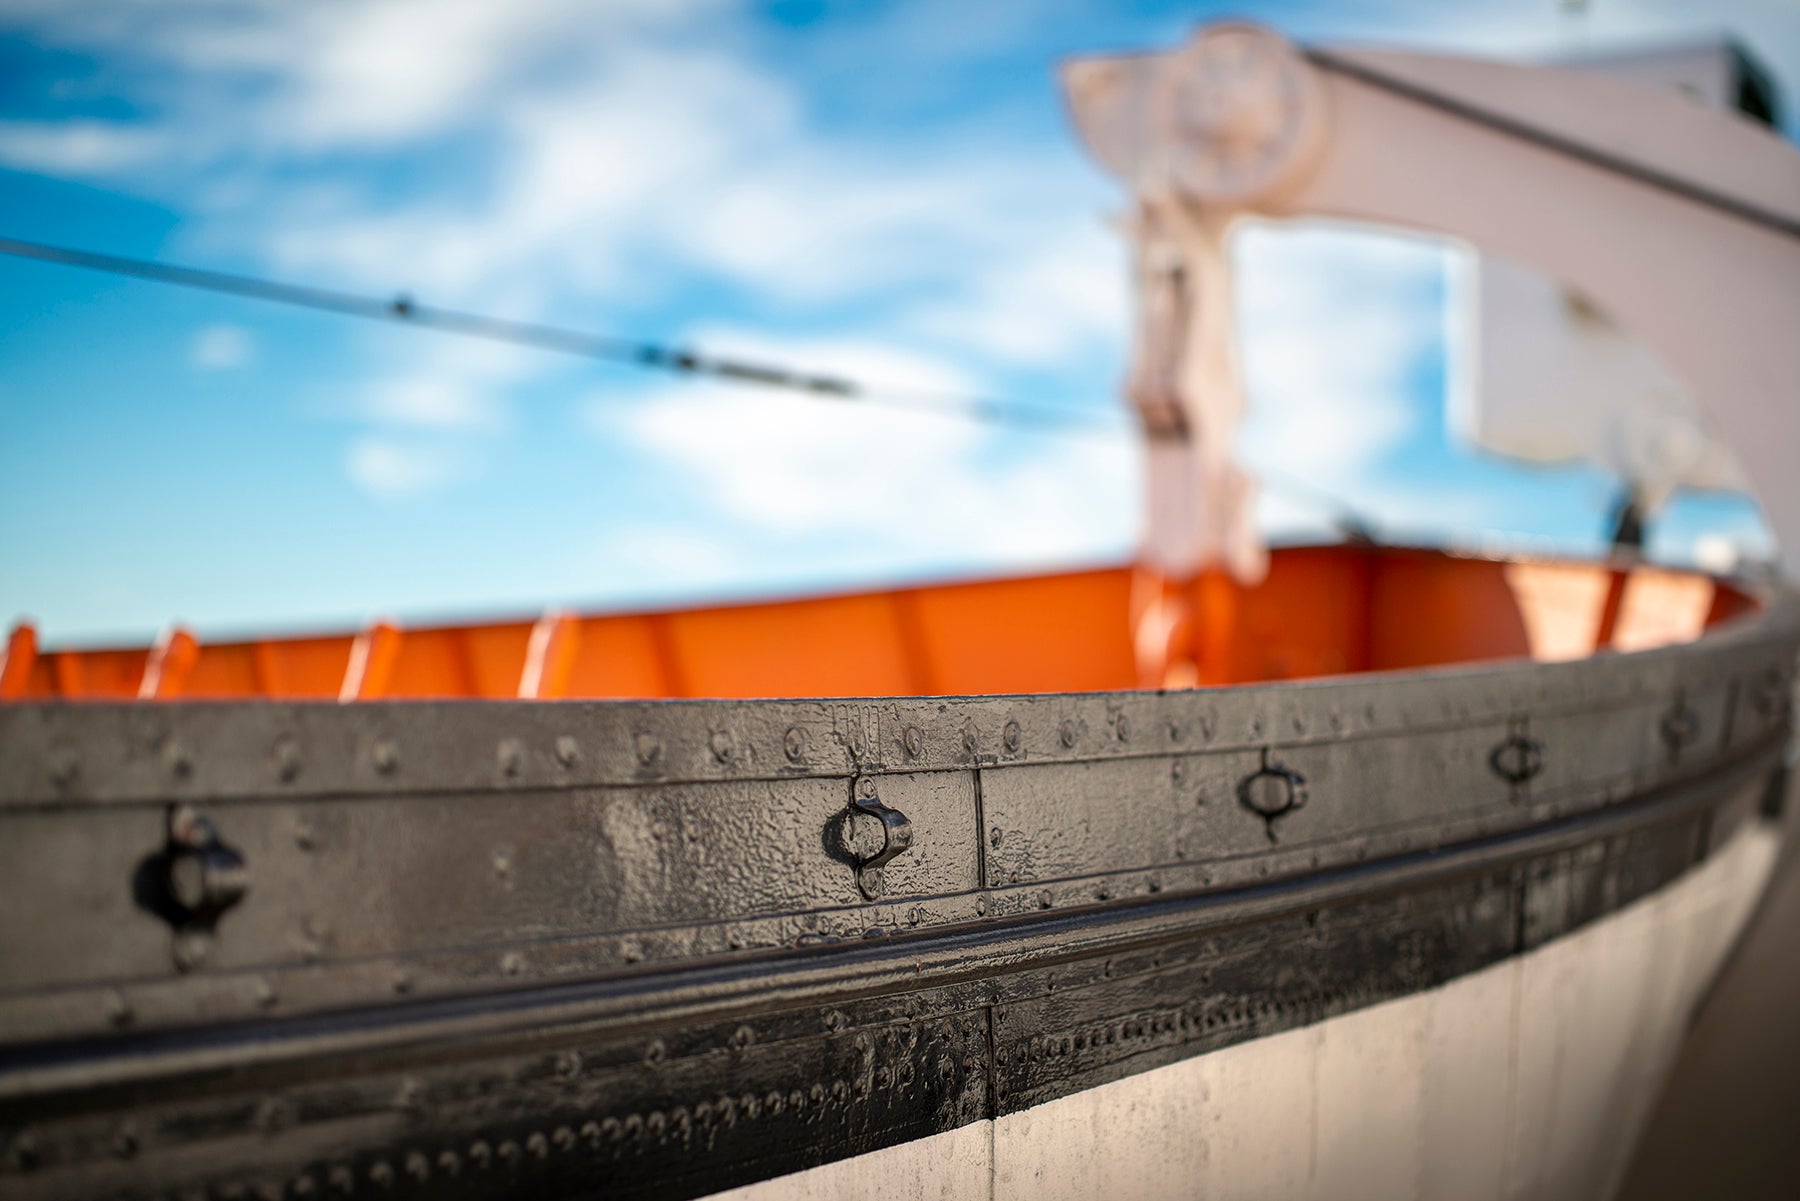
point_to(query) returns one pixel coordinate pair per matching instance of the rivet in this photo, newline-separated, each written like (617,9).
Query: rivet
(648,747)
(994,838)
(722,747)
(970,739)
(305,837)
(177,761)
(793,743)
(191,949)
(742,1037)
(568,1064)
(630,950)
(655,1052)
(981,906)
(1122,728)
(118,1009)
(655,1123)
(509,1150)
(341,1180)
(407,1096)
(1044,899)
(836,1021)
(287,759)
(512,963)
(125,1142)
(381,1174)
(563,1137)
(591,1133)
(510,756)
(449,1163)
(538,1145)
(914,916)
(568,751)
(418,1167)
(1066,732)
(306,942)
(266,994)
(480,1154)
(387,757)
(913,740)
(402,980)
(64,769)
(865,787)
(1011,736)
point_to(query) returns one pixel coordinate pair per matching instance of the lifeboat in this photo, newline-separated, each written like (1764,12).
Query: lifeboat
(1332,871)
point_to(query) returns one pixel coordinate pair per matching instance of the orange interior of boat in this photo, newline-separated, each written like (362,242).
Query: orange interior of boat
(1321,611)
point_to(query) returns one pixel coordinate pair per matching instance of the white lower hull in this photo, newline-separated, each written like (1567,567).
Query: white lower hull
(1530,1079)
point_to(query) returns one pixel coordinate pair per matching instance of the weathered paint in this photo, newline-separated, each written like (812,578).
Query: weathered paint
(1529,1079)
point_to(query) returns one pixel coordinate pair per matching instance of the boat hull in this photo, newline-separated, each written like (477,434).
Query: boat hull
(668,949)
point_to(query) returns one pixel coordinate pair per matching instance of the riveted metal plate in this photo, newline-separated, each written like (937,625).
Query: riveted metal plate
(492,948)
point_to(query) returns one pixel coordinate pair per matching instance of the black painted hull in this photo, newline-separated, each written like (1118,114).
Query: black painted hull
(647,950)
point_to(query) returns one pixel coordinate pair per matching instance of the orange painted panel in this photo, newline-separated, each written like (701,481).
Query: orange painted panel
(496,657)
(841,646)
(1661,608)
(304,668)
(463,661)
(1309,617)
(618,657)
(222,670)
(1038,634)
(1321,611)
(110,675)
(1728,602)
(1429,609)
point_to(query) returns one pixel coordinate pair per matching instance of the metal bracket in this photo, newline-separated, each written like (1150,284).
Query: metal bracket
(1272,791)
(191,883)
(1517,759)
(896,836)
(1680,727)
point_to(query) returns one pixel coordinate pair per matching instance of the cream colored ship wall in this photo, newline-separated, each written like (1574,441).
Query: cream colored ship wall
(1531,1079)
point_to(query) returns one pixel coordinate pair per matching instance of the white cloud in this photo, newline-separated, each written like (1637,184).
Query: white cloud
(675,557)
(909,486)
(79,149)
(1333,322)
(432,402)
(222,348)
(1051,302)
(392,468)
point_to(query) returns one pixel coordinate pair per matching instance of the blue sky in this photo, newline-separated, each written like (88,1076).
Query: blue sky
(888,191)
